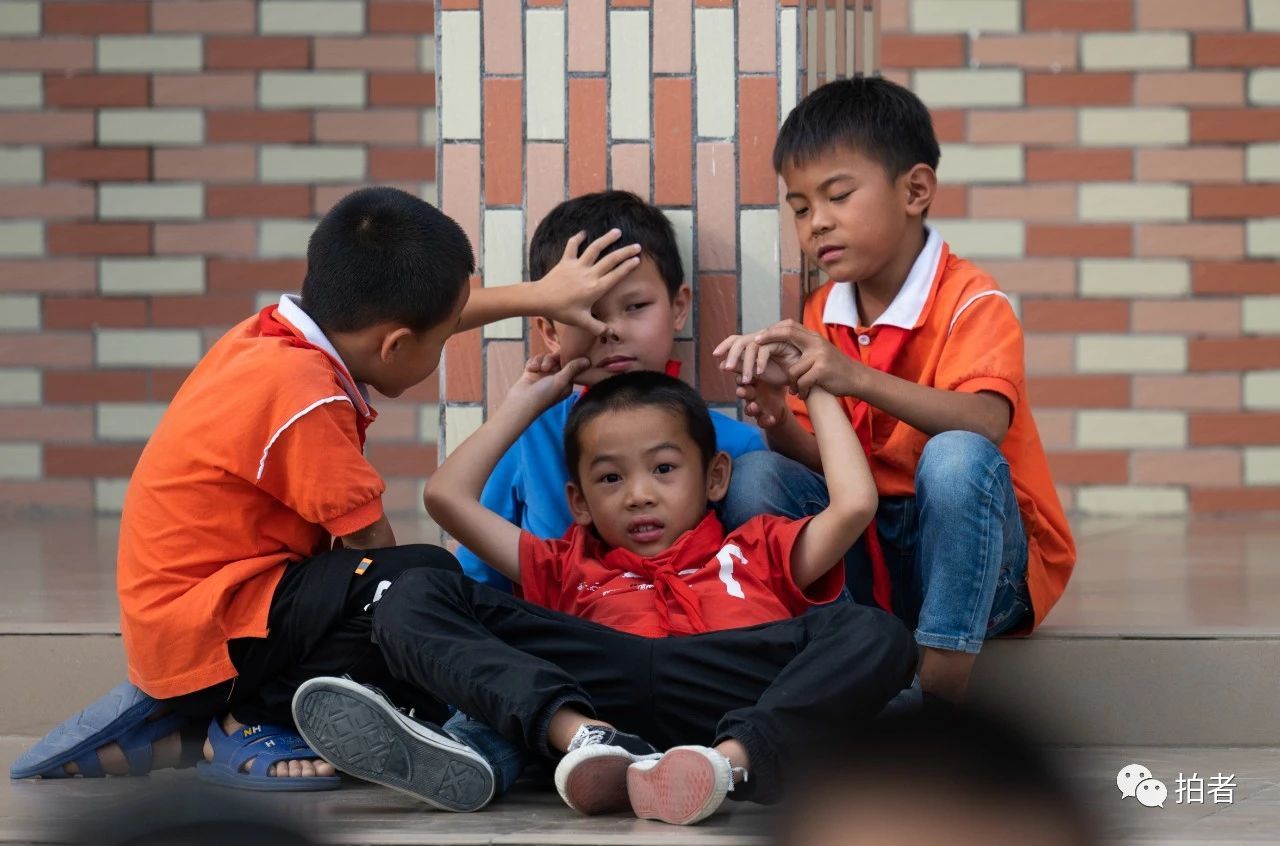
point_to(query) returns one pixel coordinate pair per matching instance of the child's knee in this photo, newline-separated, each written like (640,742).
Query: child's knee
(956,468)
(762,483)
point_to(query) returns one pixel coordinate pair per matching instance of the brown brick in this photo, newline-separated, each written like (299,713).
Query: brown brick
(1078,391)
(236,276)
(1243,429)
(673,141)
(83,386)
(372,53)
(1237,49)
(1089,468)
(1077,15)
(1191,14)
(90,90)
(1233,353)
(504,364)
(1193,164)
(89,239)
(1235,125)
(201,311)
(757,129)
(1234,500)
(1079,165)
(402,16)
(207,164)
(165,383)
(402,459)
(325,197)
(1204,468)
(257,201)
(91,459)
(50,496)
(206,237)
(1083,240)
(118,16)
(258,127)
(207,90)
(717,318)
(1193,392)
(426,391)
(1196,88)
(503,150)
(463,380)
(47,275)
(949,124)
(88,312)
(391,163)
(1075,315)
(46,201)
(94,165)
(1079,89)
(922,51)
(233,53)
(1233,277)
(587,135)
(1236,201)
(1190,240)
(1200,316)
(950,201)
(46,349)
(402,89)
(48,128)
(62,55)
(205,16)
(1050,51)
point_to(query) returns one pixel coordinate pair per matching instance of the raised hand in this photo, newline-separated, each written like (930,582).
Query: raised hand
(571,288)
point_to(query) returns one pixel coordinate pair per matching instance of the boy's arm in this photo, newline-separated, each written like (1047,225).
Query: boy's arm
(827,537)
(452,495)
(565,294)
(378,535)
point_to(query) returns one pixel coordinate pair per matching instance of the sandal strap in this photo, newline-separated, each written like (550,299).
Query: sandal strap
(138,744)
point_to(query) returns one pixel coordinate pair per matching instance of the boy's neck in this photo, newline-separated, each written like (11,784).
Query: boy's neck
(875,293)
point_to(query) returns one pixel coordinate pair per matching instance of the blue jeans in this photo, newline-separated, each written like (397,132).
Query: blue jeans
(956,551)
(503,756)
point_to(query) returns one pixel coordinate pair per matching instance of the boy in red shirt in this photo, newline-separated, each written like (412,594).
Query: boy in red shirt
(926,355)
(684,633)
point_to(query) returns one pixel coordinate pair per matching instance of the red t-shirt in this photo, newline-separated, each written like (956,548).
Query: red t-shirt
(705,582)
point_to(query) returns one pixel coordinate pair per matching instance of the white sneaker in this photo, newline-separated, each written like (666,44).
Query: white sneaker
(592,776)
(682,787)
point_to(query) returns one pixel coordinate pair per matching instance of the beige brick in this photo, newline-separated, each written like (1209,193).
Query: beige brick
(152,276)
(1262,390)
(1131,500)
(504,262)
(19,312)
(429,423)
(966,163)
(150,53)
(985,239)
(430,135)
(1262,237)
(1108,429)
(1131,354)
(311,17)
(431,193)
(129,421)
(311,164)
(969,88)
(19,386)
(1134,127)
(1123,202)
(965,16)
(1135,51)
(20,17)
(150,127)
(21,238)
(460,75)
(1264,87)
(108,495)
(147,347)
(759,267)
(21,165)
(320,90)
(178,201)
(1134,278)
(460,422)
(1261,163)
(682,224)
(1265,14)
(716,94)
(285,238)
(1262,465)
(427,53)
(788,64)
(21,90)
(544,74)
(629,74)
(20,461)
(1261,315)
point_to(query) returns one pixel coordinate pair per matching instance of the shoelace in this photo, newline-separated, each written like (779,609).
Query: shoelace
(586,736)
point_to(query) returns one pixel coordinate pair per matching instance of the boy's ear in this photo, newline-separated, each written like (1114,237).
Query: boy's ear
(718,475)
(921,185)
(577,504)
(393,343)
(547,330)
(680,307)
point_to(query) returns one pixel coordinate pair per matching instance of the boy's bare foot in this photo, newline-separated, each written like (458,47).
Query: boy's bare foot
(166,752)
(309,767)
(945,674)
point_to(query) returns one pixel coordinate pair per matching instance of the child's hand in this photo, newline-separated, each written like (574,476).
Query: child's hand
(571,288)
(751,360)
(818,364)
(765,403)
(544,382)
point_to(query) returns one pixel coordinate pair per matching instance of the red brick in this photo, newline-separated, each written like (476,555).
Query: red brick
(414,164)
(949,125)
(47,497)
(1233,353)
(1234,500)
(1077,15)
(455,5)
(91,459)
(426,391)
(205,16)
(47,201)
(403,459)
(90,239)
(47,275)
(201,311)
(1192,392)
(88,312)
(1235,125)
(385,126)
(1079,89)
(922,51)
(1233,277)
(84,386)
(257,201)
(386,53)
(90,90)
(47,349)
(757,129)
(717,319)
(463,380)
(1199,316)
(62,55)
(504,364)
(1194,88)
(207,164)
(503,150)
(257,127)
(49,128)
(1243,429)
(165,382)
(950,201)
(1190,240)
(47,423)
(587,134)
(1078,391)
(93,165)
(118,16)
(1079,165)
(256,53)
(237,238)
(673,141)
(1089,468)
(1083,240)
(1237,50)
(1235,201)
(325,197)
(235,276)
(404,16)
(1202,468)
(402,89)
(208,90)
(1075,315)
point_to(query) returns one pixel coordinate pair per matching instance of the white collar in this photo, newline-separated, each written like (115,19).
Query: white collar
(904,312)
(290,309)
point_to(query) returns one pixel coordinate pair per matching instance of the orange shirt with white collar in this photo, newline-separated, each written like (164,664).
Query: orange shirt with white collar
(258,462)
(963,335)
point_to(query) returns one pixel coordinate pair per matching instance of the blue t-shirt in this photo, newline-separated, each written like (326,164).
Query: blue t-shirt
(527,486)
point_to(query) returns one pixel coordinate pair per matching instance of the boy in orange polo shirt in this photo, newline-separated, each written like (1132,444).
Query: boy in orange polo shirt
(926,353)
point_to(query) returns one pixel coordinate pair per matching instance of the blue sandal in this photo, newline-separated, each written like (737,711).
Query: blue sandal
(123,716)
(265,745)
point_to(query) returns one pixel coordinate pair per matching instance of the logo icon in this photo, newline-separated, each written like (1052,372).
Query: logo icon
(1135,781)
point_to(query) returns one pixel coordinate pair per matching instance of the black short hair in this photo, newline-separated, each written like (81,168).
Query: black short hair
(640,389)
(380,255)
(640,223)
(878,118)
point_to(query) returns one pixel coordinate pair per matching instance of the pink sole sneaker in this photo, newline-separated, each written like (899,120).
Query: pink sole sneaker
(593,779)
(685,786)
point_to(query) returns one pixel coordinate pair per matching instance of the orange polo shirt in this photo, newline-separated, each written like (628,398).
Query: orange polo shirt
(964,336)
(257,463)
